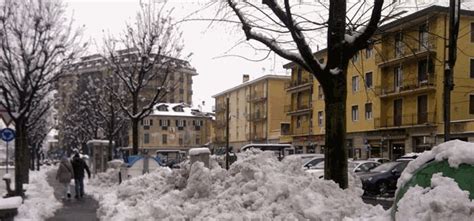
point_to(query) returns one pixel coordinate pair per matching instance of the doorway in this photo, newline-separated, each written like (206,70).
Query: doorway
(398,150)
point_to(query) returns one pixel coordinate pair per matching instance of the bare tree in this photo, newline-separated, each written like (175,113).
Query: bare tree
(142,58)
(289,28)
(36,41)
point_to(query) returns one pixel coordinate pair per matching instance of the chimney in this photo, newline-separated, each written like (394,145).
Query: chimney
(245,78)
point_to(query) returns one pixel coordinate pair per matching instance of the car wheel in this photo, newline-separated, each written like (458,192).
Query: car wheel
(383,187)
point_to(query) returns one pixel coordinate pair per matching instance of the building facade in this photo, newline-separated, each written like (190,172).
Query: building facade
(256,111)
(395,90)
(174,126)
(180,81)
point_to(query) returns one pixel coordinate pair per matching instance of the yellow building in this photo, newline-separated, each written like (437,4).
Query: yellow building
(256,110)
(395,90)
(174,126)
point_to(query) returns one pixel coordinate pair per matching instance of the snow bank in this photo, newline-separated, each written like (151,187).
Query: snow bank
(40,203)
(257,186)
(455,151)
(443,201)
(11,202)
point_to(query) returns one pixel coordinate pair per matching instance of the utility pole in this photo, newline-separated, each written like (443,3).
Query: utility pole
(454,13)
(227,134)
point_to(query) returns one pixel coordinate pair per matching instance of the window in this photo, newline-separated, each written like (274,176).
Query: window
(180,124)
(472,32)
(180,141)
(368,80)
(369,51)
(320,92)
(356,57)
(181,91)
(398,44)
(320,118)
(355,83)
(321,60)
(425,67)
(423,36)
(147,123)
(472,68)
(368,111)
(285,128)
(298,121)
(471,104)
(198,140)
(422,109)
(164,124)
(146,138)
(398,77)
(355,113)
(164,139)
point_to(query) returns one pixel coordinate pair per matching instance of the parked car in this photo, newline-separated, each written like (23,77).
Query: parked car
(409,157)
(380,160)
(315,167)
(361,166)
(382,179)
(280,150)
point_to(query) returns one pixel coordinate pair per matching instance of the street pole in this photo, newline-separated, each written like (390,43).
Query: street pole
(454,13)
(7,157)
(227,134)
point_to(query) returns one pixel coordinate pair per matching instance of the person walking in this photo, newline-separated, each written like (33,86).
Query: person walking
(64,175)
(79,165)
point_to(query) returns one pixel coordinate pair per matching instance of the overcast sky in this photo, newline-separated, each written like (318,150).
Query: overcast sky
(215,74)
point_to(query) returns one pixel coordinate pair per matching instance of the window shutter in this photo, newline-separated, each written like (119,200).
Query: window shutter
(194,123)
(151,122)
(184,123)
(472,68)
(141,122)
(169,123)
(177,123)
(161,123)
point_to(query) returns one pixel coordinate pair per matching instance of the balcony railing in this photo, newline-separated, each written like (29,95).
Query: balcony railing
(411,48)
(256,97)
(256,116)
(302,130)
(289,109)
(298,84)
(405,120)
(408,86)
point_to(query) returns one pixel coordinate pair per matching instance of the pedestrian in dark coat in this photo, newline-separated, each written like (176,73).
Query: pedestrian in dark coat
(64,175)
(79,165)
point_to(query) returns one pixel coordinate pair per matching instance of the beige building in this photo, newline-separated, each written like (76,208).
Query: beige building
(180,81)
(174,126)
(256,110)
(394,90)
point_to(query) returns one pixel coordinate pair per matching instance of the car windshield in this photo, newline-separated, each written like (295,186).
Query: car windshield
(314,162)
(385,167)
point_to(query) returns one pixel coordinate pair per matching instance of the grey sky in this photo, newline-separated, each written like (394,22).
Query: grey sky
(215,74)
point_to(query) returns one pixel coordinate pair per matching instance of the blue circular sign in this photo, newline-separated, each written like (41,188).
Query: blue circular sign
(7,134)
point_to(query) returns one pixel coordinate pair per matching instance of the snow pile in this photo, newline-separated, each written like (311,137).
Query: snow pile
(107,179)
(40,202)
(197,151)
(257,186)
(11,202)
(443,201)
(455,151)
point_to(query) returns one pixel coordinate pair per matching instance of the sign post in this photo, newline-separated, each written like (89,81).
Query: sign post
(7,135)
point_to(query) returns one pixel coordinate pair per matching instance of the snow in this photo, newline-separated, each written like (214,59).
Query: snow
(40,202)
(444,200)
(10,203)
(455,151)
(335,71)
(256,187)
(7,176)
(197,151)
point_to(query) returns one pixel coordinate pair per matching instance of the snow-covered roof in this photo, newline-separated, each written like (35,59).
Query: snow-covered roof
(197,151)
(177,109)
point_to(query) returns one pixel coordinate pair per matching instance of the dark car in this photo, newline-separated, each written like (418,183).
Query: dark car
(382,179)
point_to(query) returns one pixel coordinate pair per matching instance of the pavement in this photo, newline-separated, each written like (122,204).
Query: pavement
(83,209)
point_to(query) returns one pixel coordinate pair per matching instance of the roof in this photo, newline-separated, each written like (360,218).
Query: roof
(265,77)
(404,20)
(173,109)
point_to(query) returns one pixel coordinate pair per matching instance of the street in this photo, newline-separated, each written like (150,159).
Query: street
(385,202)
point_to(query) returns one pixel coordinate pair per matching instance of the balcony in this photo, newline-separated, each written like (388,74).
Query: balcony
(408,120)
(411,50)
(409,86)
(298,109)
(295,86)
(302,130)
(256,117)
(256,97)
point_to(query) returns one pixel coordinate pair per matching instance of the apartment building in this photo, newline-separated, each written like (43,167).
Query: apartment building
(174,126)
(395,90)
(256,111)
(180,82)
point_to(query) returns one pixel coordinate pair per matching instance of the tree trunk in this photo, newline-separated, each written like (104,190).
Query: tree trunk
(22,155)
(335,153)
(135,136)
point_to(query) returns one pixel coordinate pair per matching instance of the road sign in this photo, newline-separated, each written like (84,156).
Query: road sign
(7,134)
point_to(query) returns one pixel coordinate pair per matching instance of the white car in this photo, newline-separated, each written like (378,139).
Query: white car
(355,167)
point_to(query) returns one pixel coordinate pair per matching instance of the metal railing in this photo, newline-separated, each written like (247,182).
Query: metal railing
(410,47)
(412,84)
(294,108)
(405,120)
(294,84)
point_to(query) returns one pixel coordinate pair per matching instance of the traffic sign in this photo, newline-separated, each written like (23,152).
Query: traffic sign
(7,134)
